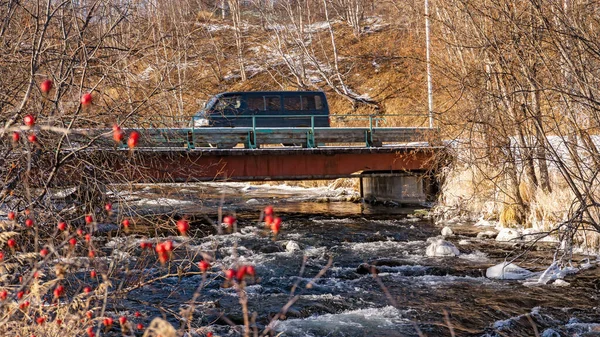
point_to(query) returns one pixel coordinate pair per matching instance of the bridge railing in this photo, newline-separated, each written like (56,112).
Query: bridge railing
(365,131)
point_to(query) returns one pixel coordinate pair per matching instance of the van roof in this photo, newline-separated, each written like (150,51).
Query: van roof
(267,92)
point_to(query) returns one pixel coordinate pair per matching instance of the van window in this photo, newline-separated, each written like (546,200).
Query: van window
(273,103)
(312,103)
(229,102)
(292,103)
(256,103)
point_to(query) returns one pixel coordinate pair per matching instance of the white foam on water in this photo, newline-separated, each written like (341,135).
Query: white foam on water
(378,245)
(372,319)
(476,256)
(435,280)
(163,202)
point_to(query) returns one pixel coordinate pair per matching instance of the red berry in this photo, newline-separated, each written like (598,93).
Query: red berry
(32,138)
(126,223)
(11,216)
(1,256)
(91,254)
(140,326)
(90,332)
(138,314)
(46,86)
(93,274)
(276,225)
(29,120)
(87,290)
(58,291)
(168,246)
(118,134)
(44,252)
(241,272)
(16,136)
(268,220)
(79,232)
(89,314)
(108,207)
(160,248)
(62,226)
(210,334)
(229,220)
(183,226)
(269,210)
(250,270)
(122,320)
(134,137)
(230,273)
(11,243)
(86,99)
(88,237)
(27,212)
(3,295)
(204,265)
(73,241)
(89,219)
(29,222)
(20,294)
(24,305)
(108,321)
(40,320)
(58,321)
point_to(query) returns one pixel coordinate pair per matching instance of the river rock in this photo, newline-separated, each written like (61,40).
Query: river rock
(487,235)
(252,202)
(508,271)
(365,268)
(507,234)
(441,248)
(106,227)
(447,231)
(292,246)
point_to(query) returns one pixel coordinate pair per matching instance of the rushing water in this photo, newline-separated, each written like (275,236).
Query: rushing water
(411,295)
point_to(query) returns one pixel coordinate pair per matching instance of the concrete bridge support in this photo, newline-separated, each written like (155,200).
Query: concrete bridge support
(404,188)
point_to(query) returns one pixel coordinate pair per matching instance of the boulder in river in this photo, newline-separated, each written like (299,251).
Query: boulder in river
(441,248)
(487,235)
(292,246)
(447,231)
(508,271)
(508,234)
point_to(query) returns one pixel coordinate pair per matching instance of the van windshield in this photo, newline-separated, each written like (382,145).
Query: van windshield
(210,104)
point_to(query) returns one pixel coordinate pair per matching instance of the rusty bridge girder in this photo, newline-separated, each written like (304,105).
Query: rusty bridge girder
(178,165)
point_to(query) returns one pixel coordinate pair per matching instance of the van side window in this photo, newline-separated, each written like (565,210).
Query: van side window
(273,103)
(312,103)
(292,103)
(256,103)
(230,102)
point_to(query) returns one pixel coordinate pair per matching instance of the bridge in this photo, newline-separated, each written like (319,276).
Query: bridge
(386,159)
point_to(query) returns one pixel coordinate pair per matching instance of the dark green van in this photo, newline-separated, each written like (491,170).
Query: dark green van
(269,109)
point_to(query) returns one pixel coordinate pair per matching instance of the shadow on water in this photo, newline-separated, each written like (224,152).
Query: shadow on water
(348,300)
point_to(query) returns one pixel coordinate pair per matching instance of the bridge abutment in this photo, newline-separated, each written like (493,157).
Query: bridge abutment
(403,188)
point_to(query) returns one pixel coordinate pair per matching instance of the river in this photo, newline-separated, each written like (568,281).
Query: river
(411,295)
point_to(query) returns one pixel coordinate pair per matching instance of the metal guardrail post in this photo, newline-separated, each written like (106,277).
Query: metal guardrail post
(190,138)
(252,135)
(310,136)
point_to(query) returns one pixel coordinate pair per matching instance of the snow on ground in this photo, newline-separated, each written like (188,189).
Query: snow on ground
(508,271)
